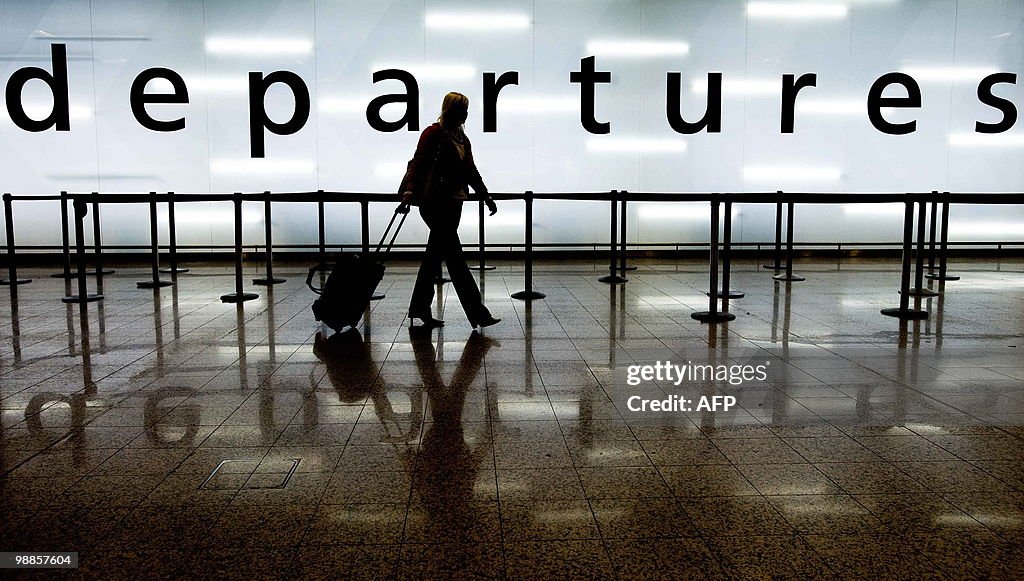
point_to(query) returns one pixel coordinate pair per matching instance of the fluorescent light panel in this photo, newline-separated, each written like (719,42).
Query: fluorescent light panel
(634,145)
(831,106)
(951,74)
(747,87)
(247,166)
(791,173)
(259,46)
(538,104)
(432,71)
(986,140)
(684,211)
(873,209)
(796,10)
(637,48)
(476,21)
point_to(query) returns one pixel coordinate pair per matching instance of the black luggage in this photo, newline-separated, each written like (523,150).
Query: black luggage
(353,278)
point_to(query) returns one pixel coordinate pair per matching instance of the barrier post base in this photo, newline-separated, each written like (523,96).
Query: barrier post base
(921,292)
(238,297)
(732,294)
(934,276)
(105,271)
(15,282)
(527,295)
(773,267)
(905,314)
(63,275)
(89,298)
(268,281)
(788,278)
(153,284)
(613,279)
(482,268)
(175,270)
(709,317)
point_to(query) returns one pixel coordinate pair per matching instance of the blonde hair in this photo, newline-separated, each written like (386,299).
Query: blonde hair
(452,100)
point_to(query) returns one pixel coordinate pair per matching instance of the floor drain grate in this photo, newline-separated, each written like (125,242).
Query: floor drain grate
(248,474)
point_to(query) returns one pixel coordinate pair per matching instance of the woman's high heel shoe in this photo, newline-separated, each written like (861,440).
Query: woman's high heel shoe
(485,322)
(429,322)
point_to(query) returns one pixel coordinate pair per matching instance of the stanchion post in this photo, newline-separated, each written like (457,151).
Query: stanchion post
(481,239)
(727,293)
(528,294)
(96,240)
(713,315)
(613,244)
(65,239)
(12,279)
(904,311)
(154,242)
(268,236)
(789,276)
(623,266)
(172,240)
(777,265)
(321,228)
(918,289)
(932,222)
(239,296)
(943,275)
(364,226)
(83,295)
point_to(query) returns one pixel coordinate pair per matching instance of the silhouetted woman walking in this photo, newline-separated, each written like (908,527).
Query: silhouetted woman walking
(437,181)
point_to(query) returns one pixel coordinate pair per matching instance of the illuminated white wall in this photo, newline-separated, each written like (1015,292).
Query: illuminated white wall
(540,145)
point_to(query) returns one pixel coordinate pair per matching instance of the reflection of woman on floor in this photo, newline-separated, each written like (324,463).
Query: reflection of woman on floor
(438,181)
(447,466)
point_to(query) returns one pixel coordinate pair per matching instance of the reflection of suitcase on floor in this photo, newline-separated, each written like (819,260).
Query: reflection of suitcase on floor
(353,278)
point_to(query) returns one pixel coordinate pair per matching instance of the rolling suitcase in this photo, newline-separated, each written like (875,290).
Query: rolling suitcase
(353,278)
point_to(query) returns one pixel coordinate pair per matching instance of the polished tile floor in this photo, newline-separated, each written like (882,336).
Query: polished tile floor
(167,435)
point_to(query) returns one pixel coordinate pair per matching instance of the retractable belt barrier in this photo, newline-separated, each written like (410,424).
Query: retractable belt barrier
(935,250)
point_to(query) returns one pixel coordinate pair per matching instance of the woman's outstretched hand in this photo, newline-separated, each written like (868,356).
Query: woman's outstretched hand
(491,206)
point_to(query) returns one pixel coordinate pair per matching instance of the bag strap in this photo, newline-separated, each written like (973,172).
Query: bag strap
(393,236)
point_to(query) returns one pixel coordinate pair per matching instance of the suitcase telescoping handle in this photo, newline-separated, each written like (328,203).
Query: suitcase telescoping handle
(327,267)
(398,211)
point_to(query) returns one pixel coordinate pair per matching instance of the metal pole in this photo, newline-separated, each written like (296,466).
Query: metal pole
(904,311)
(777,266)
(12,279)
(613,245)
(622,237)
(727,293)
(172,239)
(96,241)
(239,296)
(789,276)
(321,228)
(65,239)
(528,294)
(943,247)
(268,237)
(154,243)
(83,295)
(481,242)
(918,289)
(931,231)
(364,219)
(713,315)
